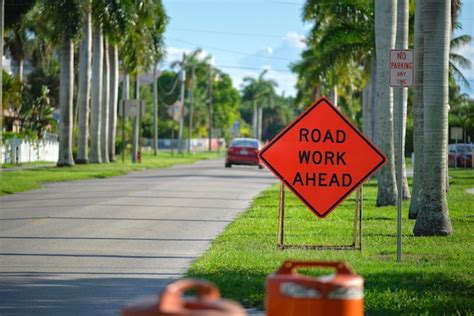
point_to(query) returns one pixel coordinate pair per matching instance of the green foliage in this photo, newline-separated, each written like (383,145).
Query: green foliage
(45,77)
(65,17)
(226,102)
(12,93)
(434,278)
(38,118)
(33,108)
(277,117)
(461,113)
(142,45)
(15,10)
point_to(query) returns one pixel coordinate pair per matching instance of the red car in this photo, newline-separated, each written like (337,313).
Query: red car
(243,151)
(460,155)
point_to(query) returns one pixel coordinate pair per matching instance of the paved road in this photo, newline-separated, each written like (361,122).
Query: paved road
(86,247)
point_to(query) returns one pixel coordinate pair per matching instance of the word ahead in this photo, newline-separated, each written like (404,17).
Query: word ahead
(322,157)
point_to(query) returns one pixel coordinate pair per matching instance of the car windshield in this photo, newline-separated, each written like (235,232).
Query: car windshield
(244,143)
(462,148)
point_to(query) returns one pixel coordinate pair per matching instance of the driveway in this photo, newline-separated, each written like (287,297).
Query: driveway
(87,247)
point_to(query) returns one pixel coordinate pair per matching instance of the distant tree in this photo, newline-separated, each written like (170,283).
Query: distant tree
(259,92)
(65,16)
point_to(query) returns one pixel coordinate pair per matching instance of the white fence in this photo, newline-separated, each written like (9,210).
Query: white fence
(20,151)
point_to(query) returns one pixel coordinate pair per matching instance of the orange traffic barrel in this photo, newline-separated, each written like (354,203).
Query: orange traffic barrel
(290,293)
(173,302)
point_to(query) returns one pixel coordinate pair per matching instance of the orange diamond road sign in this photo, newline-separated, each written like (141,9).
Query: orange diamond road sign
(322,157)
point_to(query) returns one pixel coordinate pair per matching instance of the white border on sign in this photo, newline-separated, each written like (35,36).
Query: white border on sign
(414,67)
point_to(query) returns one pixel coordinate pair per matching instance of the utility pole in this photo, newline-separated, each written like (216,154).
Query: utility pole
(209,90)
(191,91)
(181,120)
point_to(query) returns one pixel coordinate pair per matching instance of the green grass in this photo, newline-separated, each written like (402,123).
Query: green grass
(27,164)
(435,276)
(23,180)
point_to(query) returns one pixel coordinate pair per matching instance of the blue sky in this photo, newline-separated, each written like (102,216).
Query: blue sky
(247,36)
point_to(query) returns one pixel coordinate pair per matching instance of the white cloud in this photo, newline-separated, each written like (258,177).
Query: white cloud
(174,54)
(286,80)
(295,39)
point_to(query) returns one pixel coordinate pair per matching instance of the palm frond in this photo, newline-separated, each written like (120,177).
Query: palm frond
(461,40)
(457,74)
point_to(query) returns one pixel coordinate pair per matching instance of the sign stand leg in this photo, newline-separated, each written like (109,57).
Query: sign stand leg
(356,219)
(281,217)
(356,235)
(361,200)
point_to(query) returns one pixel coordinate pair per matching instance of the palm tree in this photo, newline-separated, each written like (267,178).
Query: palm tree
(433,218)
(342,36)
(83,91)
(16,43)
(192,64)
(115,18)
(141,47)
(456,62)
(400,97)
(385,13)
(66,17)
(259,92)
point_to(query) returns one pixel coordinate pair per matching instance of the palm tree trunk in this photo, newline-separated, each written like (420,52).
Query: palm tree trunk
(20,69)
(260,121)
(400,97)
(333,95)
(385,40)
(418,169)
(190,130)
(114,86)
(433,217)
(65,101)
(83,91)
(366,114)
(126,86)
(104,126)
(97,58)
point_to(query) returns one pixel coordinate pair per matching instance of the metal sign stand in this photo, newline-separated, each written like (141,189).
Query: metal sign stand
(357,231)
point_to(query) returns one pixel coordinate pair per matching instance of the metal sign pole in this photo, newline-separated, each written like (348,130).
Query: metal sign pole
(400,181)
(361,200)
(281,216)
